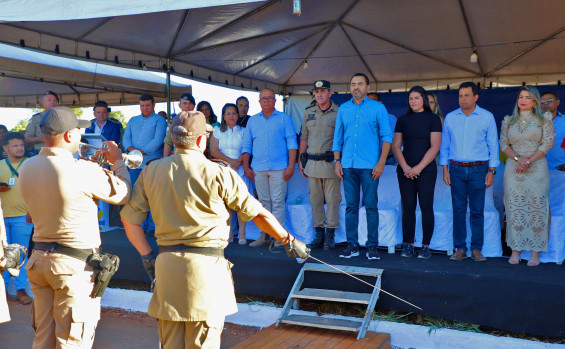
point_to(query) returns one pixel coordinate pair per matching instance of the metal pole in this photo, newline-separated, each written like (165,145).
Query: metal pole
(168,89)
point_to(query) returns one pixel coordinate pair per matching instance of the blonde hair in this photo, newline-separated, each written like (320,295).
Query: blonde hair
(536,110)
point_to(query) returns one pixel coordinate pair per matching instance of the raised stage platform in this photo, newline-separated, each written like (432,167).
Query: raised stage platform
(494,294)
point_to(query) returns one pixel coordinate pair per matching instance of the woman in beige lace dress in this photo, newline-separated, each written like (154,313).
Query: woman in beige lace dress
(525,137)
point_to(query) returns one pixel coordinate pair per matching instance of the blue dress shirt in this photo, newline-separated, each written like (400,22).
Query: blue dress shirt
(269,140)
(556,156)
(359,131)
(147,134)
(469,138)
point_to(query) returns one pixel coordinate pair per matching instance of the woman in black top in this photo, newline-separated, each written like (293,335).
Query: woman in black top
(419,133)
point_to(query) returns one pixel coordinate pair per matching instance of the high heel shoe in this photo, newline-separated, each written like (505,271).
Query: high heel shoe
(514,260)
(532,264)
(242,240)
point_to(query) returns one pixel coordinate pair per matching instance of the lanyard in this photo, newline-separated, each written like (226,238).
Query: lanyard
(15,170)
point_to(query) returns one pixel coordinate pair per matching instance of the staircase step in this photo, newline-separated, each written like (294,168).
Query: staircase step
(321,322)
(374,272)
(333,296)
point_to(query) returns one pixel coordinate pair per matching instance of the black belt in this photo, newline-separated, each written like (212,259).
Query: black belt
(209,251)
(320,157)
(77,253)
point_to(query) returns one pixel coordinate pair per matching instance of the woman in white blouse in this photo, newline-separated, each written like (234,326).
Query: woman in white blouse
(225,144)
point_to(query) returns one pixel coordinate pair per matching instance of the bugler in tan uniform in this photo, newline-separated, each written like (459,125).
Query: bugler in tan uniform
(317,139)
(190,197)
(62,196)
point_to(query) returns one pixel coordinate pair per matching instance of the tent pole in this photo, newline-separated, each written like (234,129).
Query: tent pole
(168,88)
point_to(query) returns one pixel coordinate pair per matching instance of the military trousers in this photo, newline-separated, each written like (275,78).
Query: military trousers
(190,334)
(63,315)
(326,190)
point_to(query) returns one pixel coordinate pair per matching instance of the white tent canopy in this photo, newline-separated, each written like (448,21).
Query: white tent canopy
(26,75)
(397,43)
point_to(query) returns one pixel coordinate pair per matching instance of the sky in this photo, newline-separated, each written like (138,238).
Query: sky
(216,95)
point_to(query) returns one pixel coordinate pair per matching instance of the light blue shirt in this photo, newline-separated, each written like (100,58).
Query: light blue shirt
(556,156)
(147,134)
(269,140)
(469,138)
(359,131)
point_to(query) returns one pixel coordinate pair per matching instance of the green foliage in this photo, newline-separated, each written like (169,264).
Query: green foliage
(119,116)
(78,112)
(21,125)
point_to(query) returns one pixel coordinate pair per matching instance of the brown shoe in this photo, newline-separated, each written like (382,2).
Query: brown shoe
(459,255)
(22,297)
(263,240)
(477,256)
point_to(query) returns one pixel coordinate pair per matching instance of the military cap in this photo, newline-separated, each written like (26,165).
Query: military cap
(190,123)
(62,119)
(321,84)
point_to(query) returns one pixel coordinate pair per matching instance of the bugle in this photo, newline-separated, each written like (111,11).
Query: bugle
(132,160)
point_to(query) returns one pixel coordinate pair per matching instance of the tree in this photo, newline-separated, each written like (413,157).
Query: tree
(119,117)
(21,125)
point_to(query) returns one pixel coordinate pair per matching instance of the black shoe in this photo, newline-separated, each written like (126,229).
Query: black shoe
(372,253)
(318,240)
(352,250)
(424,253)
(329,239)
(407,251)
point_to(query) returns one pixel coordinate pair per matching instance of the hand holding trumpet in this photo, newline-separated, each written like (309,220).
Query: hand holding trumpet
(112,153)
(109,153)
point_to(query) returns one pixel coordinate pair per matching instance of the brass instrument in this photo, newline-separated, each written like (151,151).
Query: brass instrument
(132,160)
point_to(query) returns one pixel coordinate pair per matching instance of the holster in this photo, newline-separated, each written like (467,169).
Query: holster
(105,266)
(329,156)
(303,159)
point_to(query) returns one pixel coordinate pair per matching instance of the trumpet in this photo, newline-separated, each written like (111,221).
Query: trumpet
(132,160)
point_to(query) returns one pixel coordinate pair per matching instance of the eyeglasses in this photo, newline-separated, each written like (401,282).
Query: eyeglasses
(267,99)
(549,100)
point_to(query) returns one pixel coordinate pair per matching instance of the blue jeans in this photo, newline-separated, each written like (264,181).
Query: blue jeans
(468,187)
(148,223)
(18,232)
(355,179)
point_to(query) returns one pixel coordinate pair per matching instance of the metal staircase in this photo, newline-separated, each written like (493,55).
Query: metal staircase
(370,299)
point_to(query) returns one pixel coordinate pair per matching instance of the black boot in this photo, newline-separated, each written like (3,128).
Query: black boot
(318,240)
(329,243)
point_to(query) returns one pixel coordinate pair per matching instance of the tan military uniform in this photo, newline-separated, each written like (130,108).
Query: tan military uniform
(62,194)
(168,139)
(189,198)
(318,130)
(34,130)
(4,310)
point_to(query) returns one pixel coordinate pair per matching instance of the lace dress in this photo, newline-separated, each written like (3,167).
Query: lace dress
(526,195)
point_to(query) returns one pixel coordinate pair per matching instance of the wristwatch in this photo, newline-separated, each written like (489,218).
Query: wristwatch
(516,158)
(492,170)
(336,160)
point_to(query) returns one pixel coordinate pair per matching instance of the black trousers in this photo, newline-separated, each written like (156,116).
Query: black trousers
(421,189)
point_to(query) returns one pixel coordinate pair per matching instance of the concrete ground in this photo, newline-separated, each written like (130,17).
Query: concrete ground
(117,329)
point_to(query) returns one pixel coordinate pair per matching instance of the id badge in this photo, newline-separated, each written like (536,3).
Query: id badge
(12,182)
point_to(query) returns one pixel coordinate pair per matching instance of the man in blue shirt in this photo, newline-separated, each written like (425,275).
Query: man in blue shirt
(271,139)
(556,156)
(469,156)
(145,133)
(362,125)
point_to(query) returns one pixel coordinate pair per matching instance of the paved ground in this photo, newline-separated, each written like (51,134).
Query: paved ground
(117,329)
